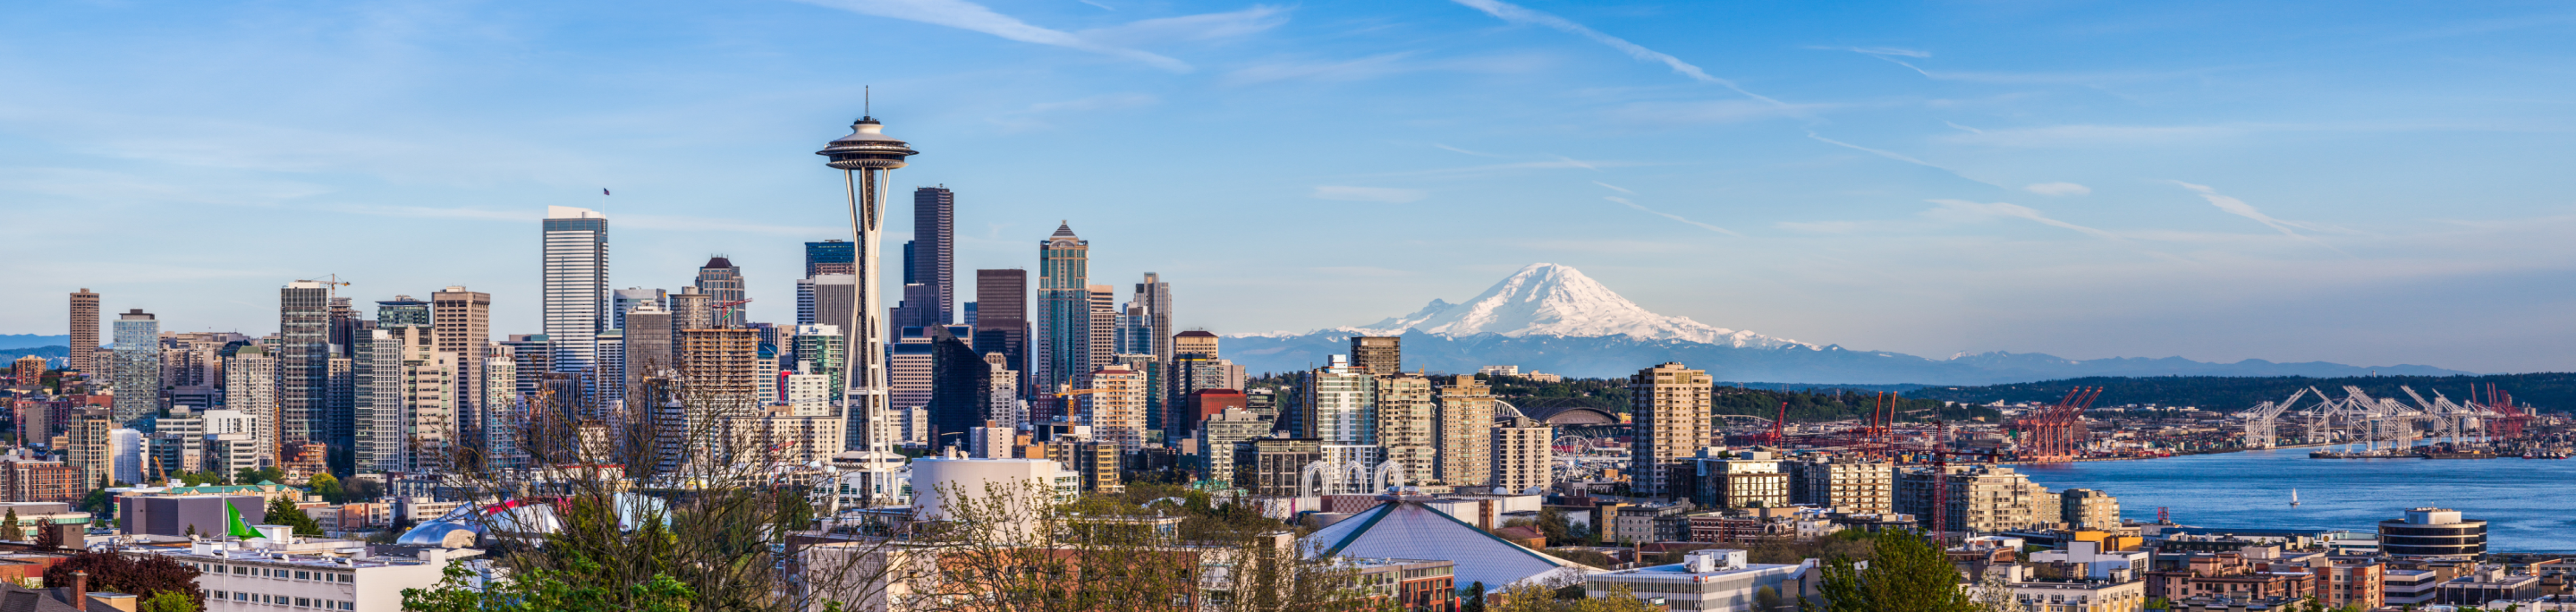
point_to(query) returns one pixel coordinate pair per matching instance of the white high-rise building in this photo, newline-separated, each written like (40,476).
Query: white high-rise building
(250,386)
(125,449)
(576,286)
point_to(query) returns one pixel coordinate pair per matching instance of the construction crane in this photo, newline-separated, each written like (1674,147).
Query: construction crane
(1076,392)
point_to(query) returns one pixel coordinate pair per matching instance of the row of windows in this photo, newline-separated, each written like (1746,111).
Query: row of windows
(278,573)
(282,600)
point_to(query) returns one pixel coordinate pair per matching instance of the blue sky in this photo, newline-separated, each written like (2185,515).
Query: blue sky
(2366,183)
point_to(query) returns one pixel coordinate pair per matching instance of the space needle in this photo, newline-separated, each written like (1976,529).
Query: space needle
(867,159)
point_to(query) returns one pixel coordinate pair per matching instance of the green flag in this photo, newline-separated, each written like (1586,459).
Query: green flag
(237,528)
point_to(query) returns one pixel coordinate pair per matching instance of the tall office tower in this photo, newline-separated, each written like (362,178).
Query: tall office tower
(1406,425)
(691,309)
(402,312)
(1116,406)
(867,158)
(1523,457)
(1135,330)
(250,387)
(88,448)
(502,412)
(1464,410)
(534,355)
(934,252)
(834,297)
(630,298)
(1156,296)
(576,287)
(1195,341)
(138,369)
(1103,340)
(830,257)
(722,282)
(805,301)
(1338,407)
(84,330)
(1002,315)
(908,368)
(914,310)
(649,339)
(461,323)
(1061,353)
(961,387)
(376,400)
(1377,354)
(426,423)
(1003,407)
(1158,411)
(823,348)
(611,353)
(719,369)
(1671,408)
(345,323)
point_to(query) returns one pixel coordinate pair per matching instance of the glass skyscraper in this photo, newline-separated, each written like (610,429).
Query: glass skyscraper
(137,378)
(576,287)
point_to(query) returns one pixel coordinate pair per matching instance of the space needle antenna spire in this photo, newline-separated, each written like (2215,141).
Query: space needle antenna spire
(867,158)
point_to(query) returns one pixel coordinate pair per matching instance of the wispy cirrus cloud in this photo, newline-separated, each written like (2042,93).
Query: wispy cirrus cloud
(1388,195)
(1560,163)
(1615,188)
(1115,41)
(2058,189)
(1517,14)
(2239,208)
(1671,216)
(1900,157)
(1963,209)
(1459,150)
(2056,136)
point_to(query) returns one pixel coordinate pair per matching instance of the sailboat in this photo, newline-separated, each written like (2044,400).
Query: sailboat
(2294,498)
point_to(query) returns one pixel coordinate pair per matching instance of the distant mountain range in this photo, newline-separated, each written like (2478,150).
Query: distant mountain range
(1552,318)
(11,341)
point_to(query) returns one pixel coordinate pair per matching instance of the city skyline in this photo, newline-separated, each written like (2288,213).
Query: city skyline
(1881,181)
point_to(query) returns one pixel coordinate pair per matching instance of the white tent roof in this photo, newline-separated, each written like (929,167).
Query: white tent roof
(1410,530)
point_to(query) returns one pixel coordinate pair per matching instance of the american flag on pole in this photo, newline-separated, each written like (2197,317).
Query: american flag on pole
(603,191)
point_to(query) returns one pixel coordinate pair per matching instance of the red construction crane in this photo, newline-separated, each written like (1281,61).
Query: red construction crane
(2056,432)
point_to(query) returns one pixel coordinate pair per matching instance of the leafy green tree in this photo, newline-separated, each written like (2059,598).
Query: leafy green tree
(574,589)
(9,527)
(1906,574)
(329,488)
(169,601)
(249,476)
(1552,523)
(282,511)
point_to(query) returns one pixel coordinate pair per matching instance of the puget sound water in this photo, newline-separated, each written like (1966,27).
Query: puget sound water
(2529,504)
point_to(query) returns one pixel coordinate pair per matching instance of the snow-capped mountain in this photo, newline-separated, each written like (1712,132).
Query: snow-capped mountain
(1549,317)
(1547,299)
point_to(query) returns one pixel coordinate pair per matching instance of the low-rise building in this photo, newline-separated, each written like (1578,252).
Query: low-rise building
(2408,587)
(2358,583)
(2488,583)
(1711,579)
(240,577)
(1738,479)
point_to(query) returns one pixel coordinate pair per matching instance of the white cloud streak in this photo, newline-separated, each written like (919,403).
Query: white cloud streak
(2239,208)
(1032,118)
(1517,14)
(1671,216)
(1964,208)
(1615,188)
(1900,157)
(2058,189)
(1388,195)
(1114,41)
(1459,150)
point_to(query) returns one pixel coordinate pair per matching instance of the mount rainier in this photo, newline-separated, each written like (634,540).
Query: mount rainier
(1551,318)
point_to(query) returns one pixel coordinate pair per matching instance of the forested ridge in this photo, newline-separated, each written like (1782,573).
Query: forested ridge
(2548,391)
